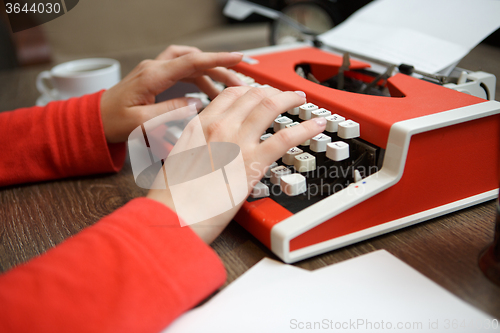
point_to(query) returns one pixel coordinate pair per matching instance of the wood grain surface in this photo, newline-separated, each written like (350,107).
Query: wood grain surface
(36,217)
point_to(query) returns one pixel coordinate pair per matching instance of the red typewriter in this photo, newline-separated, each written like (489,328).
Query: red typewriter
(416,149)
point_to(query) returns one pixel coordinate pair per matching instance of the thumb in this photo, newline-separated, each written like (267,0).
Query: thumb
(154,110)
(177,103)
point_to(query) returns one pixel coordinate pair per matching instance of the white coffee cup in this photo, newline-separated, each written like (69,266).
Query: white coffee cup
(79,77)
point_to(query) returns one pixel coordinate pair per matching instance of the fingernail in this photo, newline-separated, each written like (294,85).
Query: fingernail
(196,102)
(301,93)
(320,121)
(238,53)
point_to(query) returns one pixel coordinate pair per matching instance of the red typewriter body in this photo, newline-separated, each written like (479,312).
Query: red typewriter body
(441,153)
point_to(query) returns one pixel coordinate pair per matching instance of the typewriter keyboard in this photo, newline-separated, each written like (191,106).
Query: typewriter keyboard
(319,167)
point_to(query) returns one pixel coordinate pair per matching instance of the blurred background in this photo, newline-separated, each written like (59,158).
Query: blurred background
(130,31)
(100,27)
(126,30)
(107,27)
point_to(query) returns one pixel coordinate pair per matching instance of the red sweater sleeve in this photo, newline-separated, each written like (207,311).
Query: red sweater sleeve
(62,139)
(134,271)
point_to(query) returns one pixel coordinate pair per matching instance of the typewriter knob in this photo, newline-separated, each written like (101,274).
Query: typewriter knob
(317,15)
(314,15)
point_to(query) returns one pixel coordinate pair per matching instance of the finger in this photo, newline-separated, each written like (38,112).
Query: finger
(174,51)
(225,100)
(160,75)
(266,112)
(149,112)
(206,82)
(251,100)
(225,76)
(276,146)
(196,64)
(206,85)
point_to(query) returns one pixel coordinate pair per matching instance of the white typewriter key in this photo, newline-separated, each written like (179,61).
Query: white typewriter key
(268,171)
(241,76)
(307,143)
(305,162)
(305,110)
(265,86)
(293,184)
(292,124)
(278,172)
(266,136)
(255,85)
(319,142)
(248,80)
(272,124)
(260,190)
(219,86)
(332,123)
(294,111)
(320,113)
(280,123)
(348,129)
(337,151)
(289,156)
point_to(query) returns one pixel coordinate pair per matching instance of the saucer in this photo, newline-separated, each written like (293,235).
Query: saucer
(43,100)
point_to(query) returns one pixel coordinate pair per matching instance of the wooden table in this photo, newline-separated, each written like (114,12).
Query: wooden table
(36,217)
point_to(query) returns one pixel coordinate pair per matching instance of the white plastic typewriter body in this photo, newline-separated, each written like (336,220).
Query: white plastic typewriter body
(424,151)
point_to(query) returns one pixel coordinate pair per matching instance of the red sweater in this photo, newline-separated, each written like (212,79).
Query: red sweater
(119,275)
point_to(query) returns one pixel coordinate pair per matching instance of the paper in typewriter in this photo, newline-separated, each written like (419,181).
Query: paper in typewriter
(431,35)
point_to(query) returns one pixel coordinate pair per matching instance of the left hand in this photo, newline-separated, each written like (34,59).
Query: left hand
(131,102)
(204,82)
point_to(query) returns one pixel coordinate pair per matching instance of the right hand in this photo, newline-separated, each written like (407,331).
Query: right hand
(240,115)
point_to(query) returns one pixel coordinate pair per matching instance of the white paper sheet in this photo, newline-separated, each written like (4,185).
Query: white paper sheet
(264,274)
(371,293)
(431,35)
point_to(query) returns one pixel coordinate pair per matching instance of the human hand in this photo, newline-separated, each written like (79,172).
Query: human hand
(204,82)
(131,102)
(240,115)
